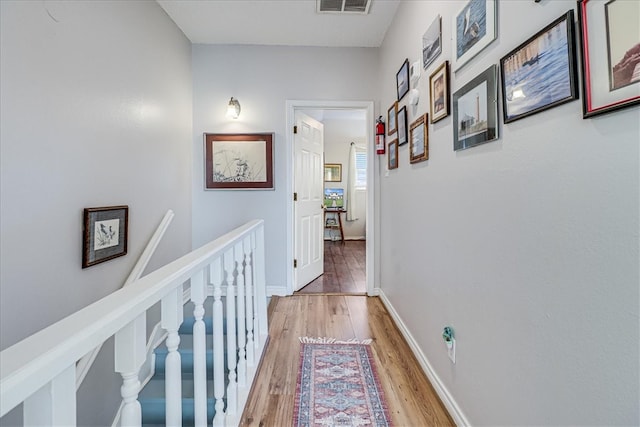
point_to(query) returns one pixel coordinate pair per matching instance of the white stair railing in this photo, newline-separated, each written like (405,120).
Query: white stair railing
(40,370)
(84,365)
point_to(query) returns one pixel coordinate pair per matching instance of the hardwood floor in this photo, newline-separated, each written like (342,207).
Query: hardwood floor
(344,269)
(411,398)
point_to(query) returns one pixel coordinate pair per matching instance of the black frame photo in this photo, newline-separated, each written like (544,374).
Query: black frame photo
(419,140)
(439,93)
(475,111)
(402,80)
(238,161)
(105,234)
(610,48)
(541,72)
(474,28)
(402,125)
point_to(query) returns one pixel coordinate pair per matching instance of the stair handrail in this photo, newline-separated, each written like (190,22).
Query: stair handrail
(84,365)
(36,361)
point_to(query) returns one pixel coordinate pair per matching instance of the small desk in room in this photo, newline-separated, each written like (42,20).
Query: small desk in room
(336,212)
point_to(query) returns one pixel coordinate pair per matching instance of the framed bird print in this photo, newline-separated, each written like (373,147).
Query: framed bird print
(105,234)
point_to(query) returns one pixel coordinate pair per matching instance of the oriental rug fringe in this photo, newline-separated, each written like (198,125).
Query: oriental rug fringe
(338,385)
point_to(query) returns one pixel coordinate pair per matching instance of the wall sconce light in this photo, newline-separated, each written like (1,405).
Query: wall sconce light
(233,109)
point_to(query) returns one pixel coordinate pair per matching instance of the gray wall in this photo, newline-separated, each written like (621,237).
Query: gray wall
(527,246)
(96,111)
(263,78)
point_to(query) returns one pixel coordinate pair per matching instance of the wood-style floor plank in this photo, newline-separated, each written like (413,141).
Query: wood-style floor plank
(411,398)
(344,269)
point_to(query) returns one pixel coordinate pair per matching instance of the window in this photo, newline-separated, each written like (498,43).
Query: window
(361,170)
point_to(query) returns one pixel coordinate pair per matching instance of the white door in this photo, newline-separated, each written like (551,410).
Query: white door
(309,187)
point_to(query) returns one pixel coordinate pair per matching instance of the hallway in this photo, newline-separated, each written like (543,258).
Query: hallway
(344,269)
(411,398)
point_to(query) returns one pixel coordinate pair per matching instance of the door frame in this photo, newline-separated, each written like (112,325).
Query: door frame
(372,188)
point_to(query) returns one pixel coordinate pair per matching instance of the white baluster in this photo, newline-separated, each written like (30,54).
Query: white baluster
(232,388)
(198,295)
(260,287)
(130,353)
(218,342)
(172,314)
(250,279)
(55,403)
(242,329)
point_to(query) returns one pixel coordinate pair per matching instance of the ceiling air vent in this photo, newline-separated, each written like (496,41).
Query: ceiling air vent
(343,6)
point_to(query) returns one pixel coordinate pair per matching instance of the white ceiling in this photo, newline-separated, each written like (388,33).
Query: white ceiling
(279,22)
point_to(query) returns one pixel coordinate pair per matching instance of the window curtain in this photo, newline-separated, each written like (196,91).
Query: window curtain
(351,184)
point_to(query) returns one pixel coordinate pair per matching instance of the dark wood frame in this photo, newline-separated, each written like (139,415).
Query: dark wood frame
(420,122)
(393,144)
(490,76)
(539,79)
(403,72)
(392,112)
(209,141)
(590,106)
(333,165)
(91,255)
(442,70)
(402,125)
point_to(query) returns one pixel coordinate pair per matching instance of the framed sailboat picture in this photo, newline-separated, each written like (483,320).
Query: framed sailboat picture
(541,72)
(474,28)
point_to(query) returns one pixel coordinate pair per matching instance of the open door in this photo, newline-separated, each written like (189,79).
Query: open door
(308,208)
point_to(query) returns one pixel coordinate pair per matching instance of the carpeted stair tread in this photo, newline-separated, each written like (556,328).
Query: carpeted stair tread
(153,411)
(186,359)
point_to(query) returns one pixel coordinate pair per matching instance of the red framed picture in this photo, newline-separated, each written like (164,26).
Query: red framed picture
(610,45)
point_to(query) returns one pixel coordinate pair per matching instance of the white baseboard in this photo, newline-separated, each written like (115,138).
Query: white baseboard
(447,399)
(276,290)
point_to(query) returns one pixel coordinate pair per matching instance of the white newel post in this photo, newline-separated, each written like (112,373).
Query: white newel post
(232,388)
(172,314)
(198,295)
(250,278)
(261,287)
(55,403)
(218,342)
(130,354)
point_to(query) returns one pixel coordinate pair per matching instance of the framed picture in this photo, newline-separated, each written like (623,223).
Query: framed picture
(610,44)
(392,115)
(238,161)
(432,42)
(392,156)
(439,92)
(541,72)
(104,235)
(475,111)
(402,80)
(332,172)
(419,140)
(475,27)
(402,126)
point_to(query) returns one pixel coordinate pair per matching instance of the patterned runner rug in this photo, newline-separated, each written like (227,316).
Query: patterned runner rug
(338,385)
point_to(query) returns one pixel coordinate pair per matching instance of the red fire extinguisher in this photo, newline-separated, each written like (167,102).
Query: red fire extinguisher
(380,136)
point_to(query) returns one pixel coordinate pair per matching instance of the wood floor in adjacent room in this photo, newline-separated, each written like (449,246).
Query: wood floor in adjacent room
(411,398)
(344,269)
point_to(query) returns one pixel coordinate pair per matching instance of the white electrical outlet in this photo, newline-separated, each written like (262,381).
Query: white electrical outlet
(451,350)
